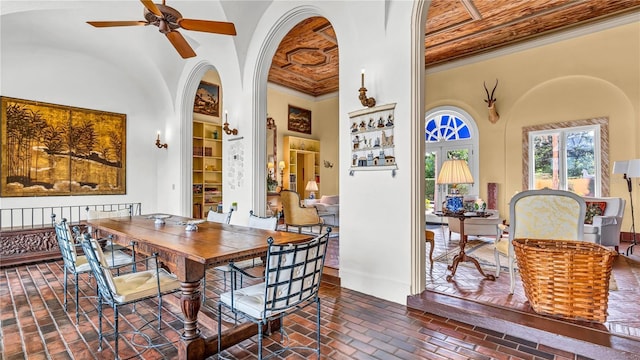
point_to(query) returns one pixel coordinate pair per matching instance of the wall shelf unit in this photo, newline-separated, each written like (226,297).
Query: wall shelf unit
(302,163)
(372,139)
(207,167)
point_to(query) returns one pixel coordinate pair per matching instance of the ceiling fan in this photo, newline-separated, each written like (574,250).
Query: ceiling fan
(168,20)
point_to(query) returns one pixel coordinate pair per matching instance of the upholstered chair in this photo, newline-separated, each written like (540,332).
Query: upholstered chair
(540,214)
(603,220)
(297,215)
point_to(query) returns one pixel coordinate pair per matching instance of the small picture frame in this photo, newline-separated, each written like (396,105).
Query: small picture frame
(207,100)
(299,120)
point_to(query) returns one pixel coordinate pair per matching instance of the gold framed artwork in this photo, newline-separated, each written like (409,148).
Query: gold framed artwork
(299,120)
(207,100)
(50,149)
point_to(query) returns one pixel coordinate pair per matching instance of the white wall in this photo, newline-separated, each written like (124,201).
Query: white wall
(142,77)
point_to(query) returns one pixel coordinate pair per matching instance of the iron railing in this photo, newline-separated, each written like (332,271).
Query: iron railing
(38,217)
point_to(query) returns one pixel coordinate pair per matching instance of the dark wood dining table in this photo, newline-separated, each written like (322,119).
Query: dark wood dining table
(187,254)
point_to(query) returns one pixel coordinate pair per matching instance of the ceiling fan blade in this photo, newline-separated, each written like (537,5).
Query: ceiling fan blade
(179,42)
(152,7)
(117,23)
(218,27)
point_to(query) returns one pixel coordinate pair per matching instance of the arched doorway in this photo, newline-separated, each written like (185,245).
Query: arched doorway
(450,132)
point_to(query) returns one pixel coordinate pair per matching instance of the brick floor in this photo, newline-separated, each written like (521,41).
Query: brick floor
(34,325)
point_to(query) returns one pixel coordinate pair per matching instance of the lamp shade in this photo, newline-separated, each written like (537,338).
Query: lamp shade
(633,170)
(281,165)
(620,167)
(455,172)
(270,165)
(312,186)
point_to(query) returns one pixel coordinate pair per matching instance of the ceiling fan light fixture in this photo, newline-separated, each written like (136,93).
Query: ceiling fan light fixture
(168,20)
(162,25)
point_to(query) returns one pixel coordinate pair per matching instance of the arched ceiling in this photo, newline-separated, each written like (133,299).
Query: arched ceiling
(307,58)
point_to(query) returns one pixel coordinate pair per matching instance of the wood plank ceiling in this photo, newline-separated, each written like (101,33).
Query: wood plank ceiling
(307,58)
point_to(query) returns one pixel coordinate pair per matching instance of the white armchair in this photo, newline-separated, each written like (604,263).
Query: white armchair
(328,204)
(604,220)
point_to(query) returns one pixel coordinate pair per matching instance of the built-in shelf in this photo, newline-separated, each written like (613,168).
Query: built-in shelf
(302,163)
(207,167)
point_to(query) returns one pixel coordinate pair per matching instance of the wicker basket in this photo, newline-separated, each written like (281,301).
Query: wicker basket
(568,279)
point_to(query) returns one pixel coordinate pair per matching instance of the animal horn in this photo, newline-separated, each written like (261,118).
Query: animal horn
(491,103)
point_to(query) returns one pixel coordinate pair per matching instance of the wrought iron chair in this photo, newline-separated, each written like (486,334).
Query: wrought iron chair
(222,218)
(540,214)
(77,264)
(256,222)
(291,282)
(125,289)
(93,214)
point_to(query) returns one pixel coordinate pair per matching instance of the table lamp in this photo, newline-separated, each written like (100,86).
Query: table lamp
(312,186)
(454,172)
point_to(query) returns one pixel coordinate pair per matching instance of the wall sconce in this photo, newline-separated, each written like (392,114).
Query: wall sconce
(226,126)
(158,144)
(281,167)
(364,100)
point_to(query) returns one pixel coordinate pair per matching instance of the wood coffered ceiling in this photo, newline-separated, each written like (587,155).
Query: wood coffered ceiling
(307,58)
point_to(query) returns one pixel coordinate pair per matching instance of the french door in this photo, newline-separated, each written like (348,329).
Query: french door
(435,155)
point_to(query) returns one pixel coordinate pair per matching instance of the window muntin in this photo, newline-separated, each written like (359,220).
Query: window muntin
(566,159)
(445,127)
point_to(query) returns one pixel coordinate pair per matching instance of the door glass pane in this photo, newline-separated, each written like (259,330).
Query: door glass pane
(581,162)
(430,161)
(546,161)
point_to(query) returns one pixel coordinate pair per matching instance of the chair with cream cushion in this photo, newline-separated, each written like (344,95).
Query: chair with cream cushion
(221,218)
(291,282)
(94,214)
(75,263)
(130,288)
(256,222)
(540,214)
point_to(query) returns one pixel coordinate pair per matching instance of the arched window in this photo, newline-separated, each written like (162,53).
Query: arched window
(445,126)
(450,132)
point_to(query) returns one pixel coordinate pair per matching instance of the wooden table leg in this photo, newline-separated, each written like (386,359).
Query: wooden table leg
(462,257)
(192,345)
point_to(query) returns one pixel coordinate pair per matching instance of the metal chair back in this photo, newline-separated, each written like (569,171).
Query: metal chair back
(293,273)
(266,223)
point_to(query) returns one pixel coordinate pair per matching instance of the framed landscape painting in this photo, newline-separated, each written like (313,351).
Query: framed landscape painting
(50,149)
(299,120)
(207,99)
